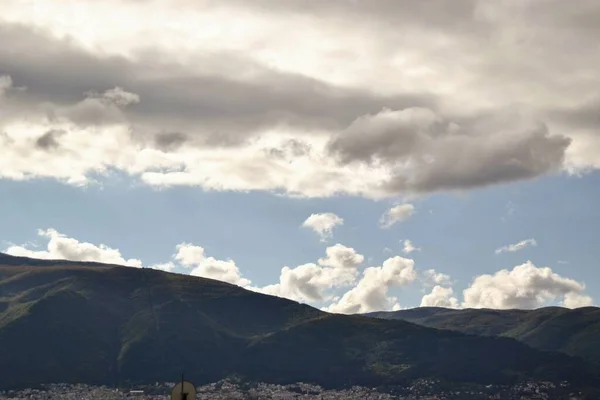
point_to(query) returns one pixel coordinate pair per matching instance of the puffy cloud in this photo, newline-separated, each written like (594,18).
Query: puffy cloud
(440,297)
(167,267)
(409,247)
(65,153)
(371,292)
(511,248)
(191,256)
(431,277)
(313,282)
(576,300)
(398,213)
(323,224)
(340,256)
(62,247)
(222,270)
(187,257)
(524,287)
(308,282)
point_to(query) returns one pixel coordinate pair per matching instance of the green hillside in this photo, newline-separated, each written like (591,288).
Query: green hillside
(70,322)
(574,332)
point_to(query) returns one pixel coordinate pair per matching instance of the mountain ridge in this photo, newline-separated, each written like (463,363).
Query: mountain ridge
(95,323)
(575,332)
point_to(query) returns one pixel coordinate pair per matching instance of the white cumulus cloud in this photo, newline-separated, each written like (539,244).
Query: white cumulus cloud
(323,224)
(188,257)
(340,256)
(167,267)
(398,213)
(576,300)
(440,297)
(371,291)
(526,286)
(431,277)
(194,257)
(314,282)
(62,247)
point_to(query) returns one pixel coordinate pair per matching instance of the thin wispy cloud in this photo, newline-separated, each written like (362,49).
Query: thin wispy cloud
(511,248)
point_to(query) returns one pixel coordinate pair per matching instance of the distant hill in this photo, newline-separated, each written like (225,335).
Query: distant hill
(73,322)
(574,332)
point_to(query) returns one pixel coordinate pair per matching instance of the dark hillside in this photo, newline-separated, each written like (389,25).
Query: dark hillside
(574,332)
(70,322)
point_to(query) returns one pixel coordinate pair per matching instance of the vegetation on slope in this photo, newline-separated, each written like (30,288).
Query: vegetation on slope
(574,332)
(69,322)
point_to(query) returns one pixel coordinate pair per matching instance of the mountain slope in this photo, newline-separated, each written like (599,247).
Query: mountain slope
(70,322)
(574,332)
(346,349)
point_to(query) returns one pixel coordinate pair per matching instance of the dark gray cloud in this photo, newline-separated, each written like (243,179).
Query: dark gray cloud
(172,98)
(49,140)
(586,116)
(387,136)
(461,162)
(170,140)
(435,14)
(429,154)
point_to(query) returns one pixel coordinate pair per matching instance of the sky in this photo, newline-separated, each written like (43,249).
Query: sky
(352,155)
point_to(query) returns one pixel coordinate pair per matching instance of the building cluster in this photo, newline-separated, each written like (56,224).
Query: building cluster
(423,389)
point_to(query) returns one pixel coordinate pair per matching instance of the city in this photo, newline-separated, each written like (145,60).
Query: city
(423,389)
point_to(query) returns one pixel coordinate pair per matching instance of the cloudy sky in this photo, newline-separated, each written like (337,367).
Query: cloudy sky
(353,155)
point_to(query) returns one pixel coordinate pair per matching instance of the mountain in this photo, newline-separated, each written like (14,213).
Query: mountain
(87,322)
(574,332)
